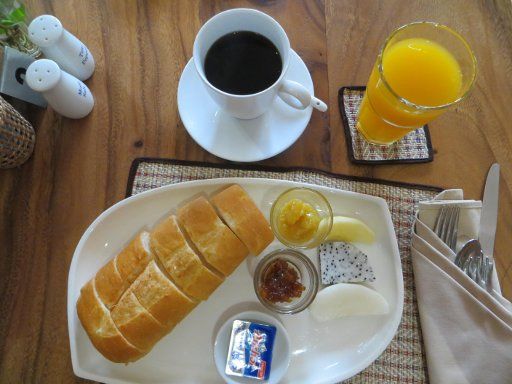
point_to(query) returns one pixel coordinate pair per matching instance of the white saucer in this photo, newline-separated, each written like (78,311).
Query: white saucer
(242,140)
(280,356)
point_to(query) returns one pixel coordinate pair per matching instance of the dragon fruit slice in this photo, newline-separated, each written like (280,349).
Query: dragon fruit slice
(343,263)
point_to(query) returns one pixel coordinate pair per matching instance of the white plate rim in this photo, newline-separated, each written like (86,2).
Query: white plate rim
(71,302)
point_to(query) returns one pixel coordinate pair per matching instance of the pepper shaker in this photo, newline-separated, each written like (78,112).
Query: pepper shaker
(59,45)
(66,94)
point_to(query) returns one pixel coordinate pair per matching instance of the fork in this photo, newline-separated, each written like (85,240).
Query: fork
(484,272)
(446,225)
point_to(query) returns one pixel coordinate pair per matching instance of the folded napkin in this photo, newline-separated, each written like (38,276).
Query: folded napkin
(467,331)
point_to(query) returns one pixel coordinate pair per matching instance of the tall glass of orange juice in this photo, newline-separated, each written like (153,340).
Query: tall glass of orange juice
(422,69)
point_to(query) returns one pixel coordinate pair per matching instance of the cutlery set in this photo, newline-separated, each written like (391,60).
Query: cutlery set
(475,257)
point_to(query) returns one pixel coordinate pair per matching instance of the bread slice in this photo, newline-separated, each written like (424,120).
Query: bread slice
(103,333)
(181,262)
(136,324)
(109,284)
(216,242)
(244,218)
(163,300)
(132,260)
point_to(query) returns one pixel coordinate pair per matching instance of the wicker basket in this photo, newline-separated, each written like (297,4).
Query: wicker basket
(17,137)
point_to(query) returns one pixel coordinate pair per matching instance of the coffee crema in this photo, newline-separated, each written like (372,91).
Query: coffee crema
(243,63)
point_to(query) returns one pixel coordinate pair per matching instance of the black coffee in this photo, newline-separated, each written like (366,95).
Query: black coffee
(243,63)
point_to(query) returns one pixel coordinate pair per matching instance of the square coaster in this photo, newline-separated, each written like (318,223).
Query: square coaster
(415,147)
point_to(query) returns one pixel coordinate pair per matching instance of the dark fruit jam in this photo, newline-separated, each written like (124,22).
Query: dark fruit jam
(281,283)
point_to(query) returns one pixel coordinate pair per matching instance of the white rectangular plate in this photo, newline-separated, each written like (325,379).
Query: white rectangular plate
(321,352)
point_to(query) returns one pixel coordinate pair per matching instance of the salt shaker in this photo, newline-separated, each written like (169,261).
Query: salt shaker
(59,45)
(66,94)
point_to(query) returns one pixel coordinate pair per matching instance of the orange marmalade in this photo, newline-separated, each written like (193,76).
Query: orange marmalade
(298,221)
(281,282)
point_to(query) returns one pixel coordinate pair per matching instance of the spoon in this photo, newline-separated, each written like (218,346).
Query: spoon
(466,252)
(472,261)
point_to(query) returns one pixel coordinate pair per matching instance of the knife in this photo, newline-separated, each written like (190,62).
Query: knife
(489,214)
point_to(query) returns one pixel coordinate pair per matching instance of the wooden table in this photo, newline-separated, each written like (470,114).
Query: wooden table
(80,167)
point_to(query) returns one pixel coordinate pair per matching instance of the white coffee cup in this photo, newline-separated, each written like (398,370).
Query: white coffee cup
(253,105)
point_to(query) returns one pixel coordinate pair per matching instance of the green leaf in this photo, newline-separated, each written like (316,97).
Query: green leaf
(7,23)
(15,17)
(18,15)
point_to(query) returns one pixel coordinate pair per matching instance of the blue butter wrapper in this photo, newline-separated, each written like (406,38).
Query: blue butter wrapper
(250,350)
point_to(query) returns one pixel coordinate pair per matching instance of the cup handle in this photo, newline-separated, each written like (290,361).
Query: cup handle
(297,96)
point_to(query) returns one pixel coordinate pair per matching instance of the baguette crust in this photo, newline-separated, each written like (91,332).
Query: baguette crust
(216,242)
(244,218)
(135,323)
(103,333)
(162,299)
(181,262)
(109,284)
(136,299)
(132,260)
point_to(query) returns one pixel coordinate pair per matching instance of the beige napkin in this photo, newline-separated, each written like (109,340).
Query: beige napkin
(467,331)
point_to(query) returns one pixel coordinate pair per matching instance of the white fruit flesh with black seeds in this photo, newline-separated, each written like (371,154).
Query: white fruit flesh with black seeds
(344,263)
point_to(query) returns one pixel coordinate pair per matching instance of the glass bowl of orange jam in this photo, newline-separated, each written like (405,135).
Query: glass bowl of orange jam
(301,218)
(286,281)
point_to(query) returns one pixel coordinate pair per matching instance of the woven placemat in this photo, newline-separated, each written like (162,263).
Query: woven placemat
(404,360)
(415,147)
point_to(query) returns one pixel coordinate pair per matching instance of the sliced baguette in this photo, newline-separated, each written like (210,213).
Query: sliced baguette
(109,284)
(103,333)
(163,300)
(244,218)
(136,324)
(132,260)
(181,262)
(216,242)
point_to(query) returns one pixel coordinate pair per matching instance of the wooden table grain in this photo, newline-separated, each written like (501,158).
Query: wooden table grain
(80,167)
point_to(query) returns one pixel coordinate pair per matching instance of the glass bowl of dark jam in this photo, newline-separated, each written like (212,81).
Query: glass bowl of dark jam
(286,281)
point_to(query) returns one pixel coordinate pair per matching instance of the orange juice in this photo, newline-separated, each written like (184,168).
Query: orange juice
(418,70)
